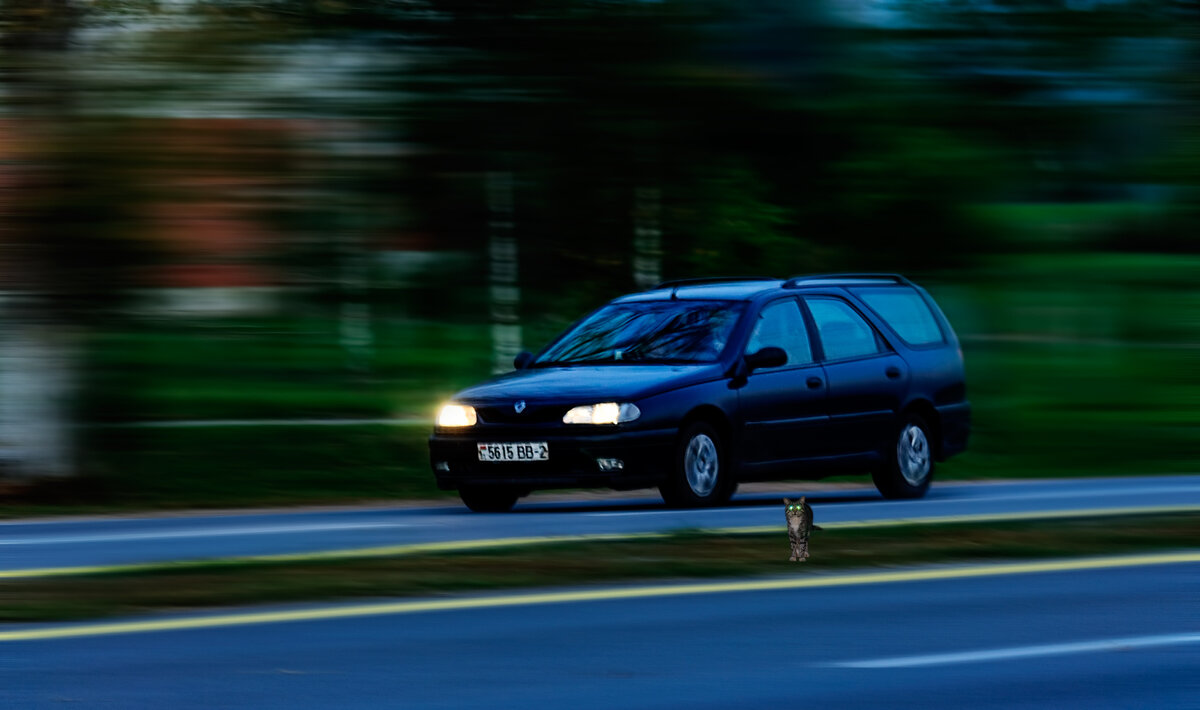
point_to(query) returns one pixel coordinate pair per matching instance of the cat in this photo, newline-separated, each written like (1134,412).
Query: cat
(800,524)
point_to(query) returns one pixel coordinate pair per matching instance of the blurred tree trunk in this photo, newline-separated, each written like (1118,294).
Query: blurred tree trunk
(355,313)
(354,330)
(504,293)
(38,353)
(67,249)
(647,237)
(38,365)
(38,342)
(44,25)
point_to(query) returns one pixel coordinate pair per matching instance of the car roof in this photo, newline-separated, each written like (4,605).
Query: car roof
(723,291)
(742,288)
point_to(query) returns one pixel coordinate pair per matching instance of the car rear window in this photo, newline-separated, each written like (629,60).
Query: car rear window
(905,311)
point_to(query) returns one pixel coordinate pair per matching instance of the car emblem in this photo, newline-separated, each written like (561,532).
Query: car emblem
(519,406)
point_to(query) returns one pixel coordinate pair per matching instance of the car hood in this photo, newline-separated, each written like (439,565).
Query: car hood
(582,384)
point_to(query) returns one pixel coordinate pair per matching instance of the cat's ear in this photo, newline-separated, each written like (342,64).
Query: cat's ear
(786,501)
(803,498)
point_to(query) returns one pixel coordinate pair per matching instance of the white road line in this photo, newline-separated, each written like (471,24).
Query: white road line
(1005,654)
(928,506)
(1081,493)
(200,533)
(504,542)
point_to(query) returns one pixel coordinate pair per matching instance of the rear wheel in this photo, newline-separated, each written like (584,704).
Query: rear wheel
(700,474)
(489,500)
(909,468)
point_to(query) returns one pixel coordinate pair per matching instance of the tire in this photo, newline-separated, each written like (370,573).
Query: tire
(700,474)
(489,500)
(909,468)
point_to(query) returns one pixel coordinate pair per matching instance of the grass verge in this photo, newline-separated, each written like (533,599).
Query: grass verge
(677,556)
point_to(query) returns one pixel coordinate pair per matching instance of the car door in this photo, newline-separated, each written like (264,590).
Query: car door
(783,408)
(866,379)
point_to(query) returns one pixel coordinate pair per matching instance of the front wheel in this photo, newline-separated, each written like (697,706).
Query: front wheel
(489,500)
(909,468)
(700,474)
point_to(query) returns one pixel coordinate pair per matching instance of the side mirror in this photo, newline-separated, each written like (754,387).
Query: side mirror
(767,357)
(522,360)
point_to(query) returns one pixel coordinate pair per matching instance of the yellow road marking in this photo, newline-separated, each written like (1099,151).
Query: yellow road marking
(326,555)
(641,592)
(509,542)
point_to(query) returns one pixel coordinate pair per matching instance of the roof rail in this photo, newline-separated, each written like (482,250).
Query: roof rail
(813,279)
(676,283)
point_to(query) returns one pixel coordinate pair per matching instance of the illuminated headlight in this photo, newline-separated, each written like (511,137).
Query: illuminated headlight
(603,413)
(456,415)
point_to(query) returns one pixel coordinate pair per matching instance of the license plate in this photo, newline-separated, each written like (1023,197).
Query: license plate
(521,451)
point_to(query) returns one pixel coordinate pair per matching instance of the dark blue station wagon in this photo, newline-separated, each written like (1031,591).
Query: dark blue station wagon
(696,385)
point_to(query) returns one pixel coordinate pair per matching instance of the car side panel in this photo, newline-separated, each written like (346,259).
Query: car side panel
(865,397)
(784,417)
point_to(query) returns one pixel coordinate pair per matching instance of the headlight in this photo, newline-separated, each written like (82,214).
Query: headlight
(603,413)
(456,415)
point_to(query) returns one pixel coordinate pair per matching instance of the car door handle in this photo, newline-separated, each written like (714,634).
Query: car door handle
(814,382)
(892,372)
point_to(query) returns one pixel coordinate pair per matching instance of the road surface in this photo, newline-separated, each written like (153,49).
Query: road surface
(1115,637)
(101,541)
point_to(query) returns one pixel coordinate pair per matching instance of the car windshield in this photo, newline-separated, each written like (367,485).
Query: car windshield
(654,331)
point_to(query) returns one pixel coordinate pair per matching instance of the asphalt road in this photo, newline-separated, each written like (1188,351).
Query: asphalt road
(114,541)
(1124,637)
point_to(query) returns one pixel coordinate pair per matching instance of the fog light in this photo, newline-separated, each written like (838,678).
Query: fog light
(441,466)
(610,464)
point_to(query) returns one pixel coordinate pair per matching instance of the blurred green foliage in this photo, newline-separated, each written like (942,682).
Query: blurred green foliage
(1037,168)
(1077,366)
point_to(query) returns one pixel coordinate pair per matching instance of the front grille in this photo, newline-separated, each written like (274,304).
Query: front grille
(532,414)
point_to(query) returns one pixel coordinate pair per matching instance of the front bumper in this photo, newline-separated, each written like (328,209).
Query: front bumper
(645,457)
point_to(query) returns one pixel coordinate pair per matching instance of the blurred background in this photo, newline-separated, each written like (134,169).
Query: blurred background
(247,246)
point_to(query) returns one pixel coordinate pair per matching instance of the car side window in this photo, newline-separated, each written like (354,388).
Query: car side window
(905,311)
(781,325)
(844,333)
